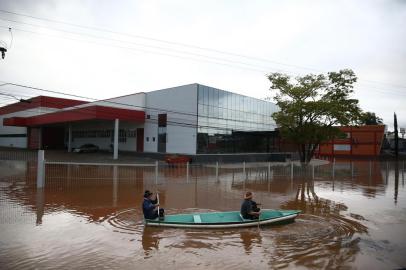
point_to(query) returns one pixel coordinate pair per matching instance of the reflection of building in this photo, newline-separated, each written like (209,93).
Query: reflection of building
(187,119)
(358,141)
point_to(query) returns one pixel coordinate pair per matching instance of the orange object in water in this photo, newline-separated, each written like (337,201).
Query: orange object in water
(177,159)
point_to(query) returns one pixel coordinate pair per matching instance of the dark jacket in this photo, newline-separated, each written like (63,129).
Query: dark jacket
(246,208)
(148,208)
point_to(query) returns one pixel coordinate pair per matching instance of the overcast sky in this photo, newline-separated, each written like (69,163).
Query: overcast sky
(230,45)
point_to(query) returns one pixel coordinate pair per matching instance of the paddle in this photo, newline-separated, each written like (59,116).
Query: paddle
(157,200)
(259,216)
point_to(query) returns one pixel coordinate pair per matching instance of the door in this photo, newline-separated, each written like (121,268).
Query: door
(140,140)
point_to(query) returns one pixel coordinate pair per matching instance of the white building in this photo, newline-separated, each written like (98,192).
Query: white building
(187,119)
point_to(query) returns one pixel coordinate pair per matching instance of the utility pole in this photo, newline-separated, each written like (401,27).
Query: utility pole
(395,123)
(3,51)
(3,45)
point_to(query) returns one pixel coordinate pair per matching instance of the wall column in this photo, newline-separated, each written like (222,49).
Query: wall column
(115,144)
(40,138)
(70,138)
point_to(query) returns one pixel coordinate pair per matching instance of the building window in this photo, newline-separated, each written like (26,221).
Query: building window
(342,147)
(162,137)
(132,133)
(153,139)
(122,136)
(147,139)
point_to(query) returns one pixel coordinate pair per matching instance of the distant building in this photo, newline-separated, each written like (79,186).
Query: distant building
(390,138)
(189,119)
(358,141)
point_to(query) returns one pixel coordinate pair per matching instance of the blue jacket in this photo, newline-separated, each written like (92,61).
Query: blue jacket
(148,209)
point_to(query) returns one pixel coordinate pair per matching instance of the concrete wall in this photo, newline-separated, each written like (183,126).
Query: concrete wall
(12,132)
(180,105)
(131,102)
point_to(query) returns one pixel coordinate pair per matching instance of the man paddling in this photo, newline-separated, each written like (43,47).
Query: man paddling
(249,209)
(150,206)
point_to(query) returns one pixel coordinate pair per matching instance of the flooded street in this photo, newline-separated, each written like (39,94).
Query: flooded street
(353,217)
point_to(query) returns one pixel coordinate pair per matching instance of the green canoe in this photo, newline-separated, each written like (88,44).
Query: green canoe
(231,219)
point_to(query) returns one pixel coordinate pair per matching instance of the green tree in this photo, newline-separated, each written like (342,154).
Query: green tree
(312,106)
(370,118)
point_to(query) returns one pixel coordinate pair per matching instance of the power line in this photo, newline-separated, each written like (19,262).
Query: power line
(137,106)
(135,43)
(145,51)
(177,44)
(154,39)
(235,121)
(188,58)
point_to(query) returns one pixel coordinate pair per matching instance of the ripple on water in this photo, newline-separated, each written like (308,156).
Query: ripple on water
(312,241)
(317,241)
(127,221)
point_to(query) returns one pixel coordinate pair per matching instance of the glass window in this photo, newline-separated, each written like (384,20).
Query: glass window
(200,109)
(201,95)
(215,97)
(205,95)
(221,99)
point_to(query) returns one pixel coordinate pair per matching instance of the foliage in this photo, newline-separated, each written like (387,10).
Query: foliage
(313,106)
(369,118)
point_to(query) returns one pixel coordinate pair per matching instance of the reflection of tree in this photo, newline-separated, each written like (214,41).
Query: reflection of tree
(308,201)
(395,196)
(150,239)
(324,238)
(250,237)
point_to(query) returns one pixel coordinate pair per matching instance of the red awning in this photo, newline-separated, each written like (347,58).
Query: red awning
(79,114)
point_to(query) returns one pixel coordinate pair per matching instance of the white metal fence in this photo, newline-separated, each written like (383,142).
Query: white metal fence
(49,172)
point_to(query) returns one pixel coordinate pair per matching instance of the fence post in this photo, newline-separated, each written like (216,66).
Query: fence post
(352,169)
(41,169)
(370,169)
(291,170)
(333,169)
(269,170)
(313,171)
(217,171)
(243,170)
(187,172)
(115,185)
(156,172)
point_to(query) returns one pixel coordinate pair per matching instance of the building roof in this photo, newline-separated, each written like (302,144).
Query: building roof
(77,114)
(40,101)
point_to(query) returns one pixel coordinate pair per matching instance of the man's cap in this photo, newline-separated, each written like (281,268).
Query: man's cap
(147,193)
(248,195)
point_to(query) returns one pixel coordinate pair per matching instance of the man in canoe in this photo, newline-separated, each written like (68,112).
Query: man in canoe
(249,208)
(150,206)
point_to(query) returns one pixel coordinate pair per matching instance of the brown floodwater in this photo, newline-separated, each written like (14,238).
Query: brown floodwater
(353,217)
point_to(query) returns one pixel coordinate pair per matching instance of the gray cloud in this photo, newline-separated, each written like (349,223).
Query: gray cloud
(367,36)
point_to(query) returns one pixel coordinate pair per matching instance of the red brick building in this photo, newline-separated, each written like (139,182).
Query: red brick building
(359,141)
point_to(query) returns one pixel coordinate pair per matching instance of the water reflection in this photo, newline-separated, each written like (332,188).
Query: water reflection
(40,203)
(101,206)
(249,238)
(326,238)
(150,240)
(396,182)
